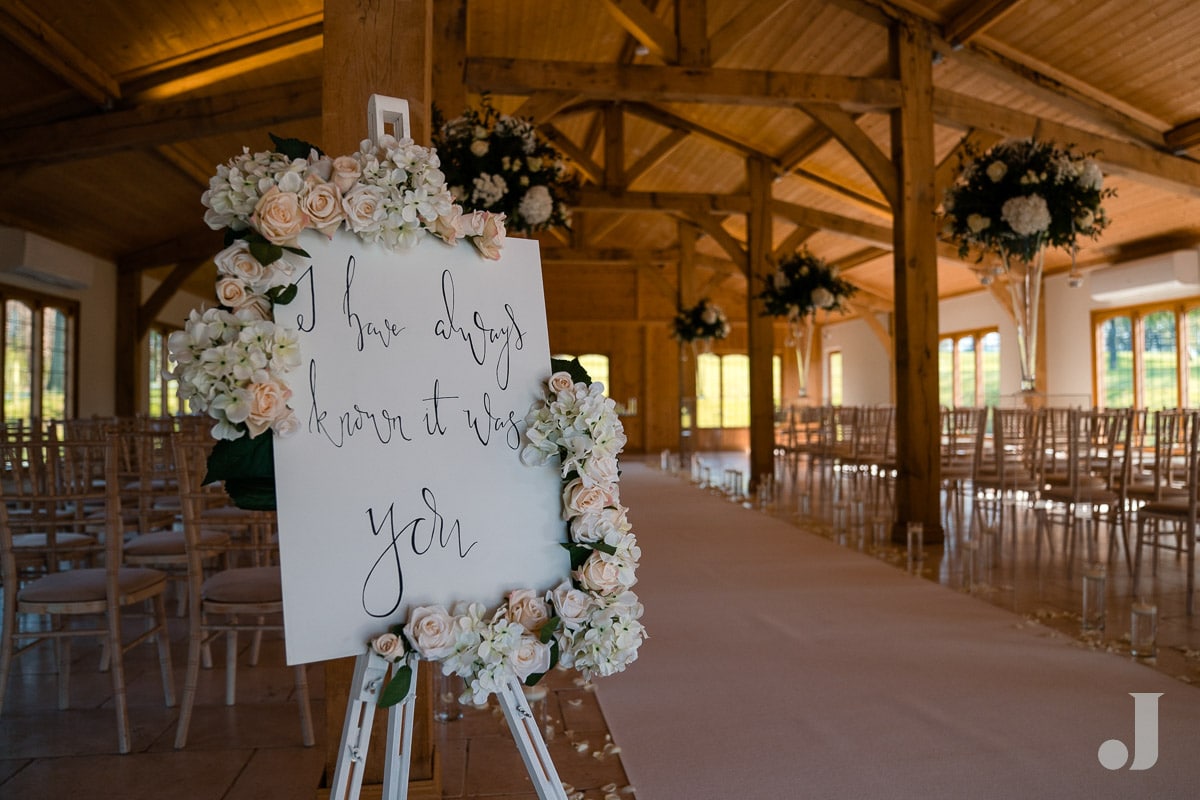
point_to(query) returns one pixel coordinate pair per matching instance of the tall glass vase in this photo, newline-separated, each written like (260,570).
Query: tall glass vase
(801,339)
(1025,288)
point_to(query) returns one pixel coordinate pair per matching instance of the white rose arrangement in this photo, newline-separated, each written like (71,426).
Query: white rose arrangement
(703,321)
(590,622)
(1022,195)
(802,285)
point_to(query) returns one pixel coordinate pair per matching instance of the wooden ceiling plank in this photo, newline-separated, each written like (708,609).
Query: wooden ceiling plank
(976,18)
(802,147)
(160,123)
(22,26)
(582,161)
(843,192)
(860,257)
(791,243)
(649,83)
(608,255)
(864,150)
(741,25)
(712,226)
(614,147)
(660,150)
(597,199)
(643,25)
(185,159)
(1178,175)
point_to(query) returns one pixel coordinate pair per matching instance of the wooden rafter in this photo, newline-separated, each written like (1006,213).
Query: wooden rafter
(796,237)
(657,152)
(712,226)
(756,14)
(185,159)
(643,25)
(582,161)
(542,107)
(840,190)
(160,123)
(976,18)
(197,244)
(864,150)
(597,199)
(22,26)
(691,32)
(647,83)
(948,169)
(174,281)
(1183,137)
(670,119)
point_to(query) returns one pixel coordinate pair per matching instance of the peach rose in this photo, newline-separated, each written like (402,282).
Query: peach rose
(237,261)
(364,208)
(279,217)
(527,610)
(561,382)
(232,293)
(529,657)
(600,575)
(431,631)
(268,402)
(346,172)
(491,240)
(572,605)
(323,204)
(388,645)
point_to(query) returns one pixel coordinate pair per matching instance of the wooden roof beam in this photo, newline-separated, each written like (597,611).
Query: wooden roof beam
(583,162)
(657,152)
(160,123)
(597,199)
(741,25)
(38,39)
(648,83)
(643,25)
(669,119)
(1183,137)
(976,18)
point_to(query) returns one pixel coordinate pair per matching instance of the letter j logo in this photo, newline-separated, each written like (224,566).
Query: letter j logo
(1114,754)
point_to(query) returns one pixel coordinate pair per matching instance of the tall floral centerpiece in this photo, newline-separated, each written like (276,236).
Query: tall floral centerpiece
(1014,201)
(700,325)
(500,163)
(802,285)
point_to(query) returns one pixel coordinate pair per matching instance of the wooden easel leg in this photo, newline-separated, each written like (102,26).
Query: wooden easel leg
(529,741)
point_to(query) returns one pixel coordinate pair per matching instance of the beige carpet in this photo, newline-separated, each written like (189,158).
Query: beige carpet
(781,665)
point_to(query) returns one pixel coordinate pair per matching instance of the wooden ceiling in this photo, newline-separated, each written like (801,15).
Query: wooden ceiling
(114,113)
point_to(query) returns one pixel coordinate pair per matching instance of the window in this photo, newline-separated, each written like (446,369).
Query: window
(596,366)
(835,378)
(164,391)
(1147,357)
(969,368)
(39,356)
(723,389)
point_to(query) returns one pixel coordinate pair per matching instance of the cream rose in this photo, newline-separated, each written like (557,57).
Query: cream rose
(997,170)
(529,657)
(268,403)
(527,610)
(364,208)
(571,605)
(491,240)
(431,631)
(388,645)
(600,575)
(561,382)
(346,172)
(479,148)
(279,217)
(580,499)
(323,204)
(232,293)
(237,261)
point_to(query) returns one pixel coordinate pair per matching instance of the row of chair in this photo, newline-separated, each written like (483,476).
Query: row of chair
(100,523)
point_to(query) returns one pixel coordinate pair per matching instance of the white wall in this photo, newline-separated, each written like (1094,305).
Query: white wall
(866,368)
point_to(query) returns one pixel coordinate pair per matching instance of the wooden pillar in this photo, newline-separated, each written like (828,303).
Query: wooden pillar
(761,328)
(377,48)
(450,33)
(128,343)
(916,336)
(687,355)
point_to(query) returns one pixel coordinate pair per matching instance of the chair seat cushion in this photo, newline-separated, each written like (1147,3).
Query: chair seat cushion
(1085,494)
(86,585)
(1168,508)
(62,541)
(245,585)
(170,543)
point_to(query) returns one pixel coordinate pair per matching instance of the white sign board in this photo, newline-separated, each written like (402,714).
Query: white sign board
(404,485)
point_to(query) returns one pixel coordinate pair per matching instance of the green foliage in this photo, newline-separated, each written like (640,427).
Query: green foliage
(397,688)
(802,284)
(247,465)
(573,368)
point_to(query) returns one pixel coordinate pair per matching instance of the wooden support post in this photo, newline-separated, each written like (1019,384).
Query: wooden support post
(378,48)
(761,328)
(448,78)
(128,344)
(687,357)
(918,489)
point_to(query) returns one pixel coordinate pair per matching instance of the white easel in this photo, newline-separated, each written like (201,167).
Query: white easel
(371,669)
(370,672)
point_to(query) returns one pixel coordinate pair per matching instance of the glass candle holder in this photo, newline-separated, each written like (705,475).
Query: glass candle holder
(1143,629)
(916,541)
(1095,591)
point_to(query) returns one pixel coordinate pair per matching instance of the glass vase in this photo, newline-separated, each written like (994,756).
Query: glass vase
(1025,289)
(800,336)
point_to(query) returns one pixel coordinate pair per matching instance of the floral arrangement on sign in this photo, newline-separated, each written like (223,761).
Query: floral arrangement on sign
(500,163)
(705,320)
(1022,195)
(802,284)
(230,359)
(589,622)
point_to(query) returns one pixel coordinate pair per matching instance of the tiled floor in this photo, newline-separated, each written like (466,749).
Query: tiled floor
(253,750)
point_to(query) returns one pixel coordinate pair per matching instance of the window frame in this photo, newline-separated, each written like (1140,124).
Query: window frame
(1137,315)
(955,337)
(38,302)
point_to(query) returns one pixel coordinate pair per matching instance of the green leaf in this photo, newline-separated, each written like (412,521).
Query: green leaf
(247,465)
(546,634)
(579,553)
(572,368)
(264,251)
(293,148)
(604,548)
(397,688)
(297,250)
(282,295)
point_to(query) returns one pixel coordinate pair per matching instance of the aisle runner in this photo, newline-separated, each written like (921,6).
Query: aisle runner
(781,665)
